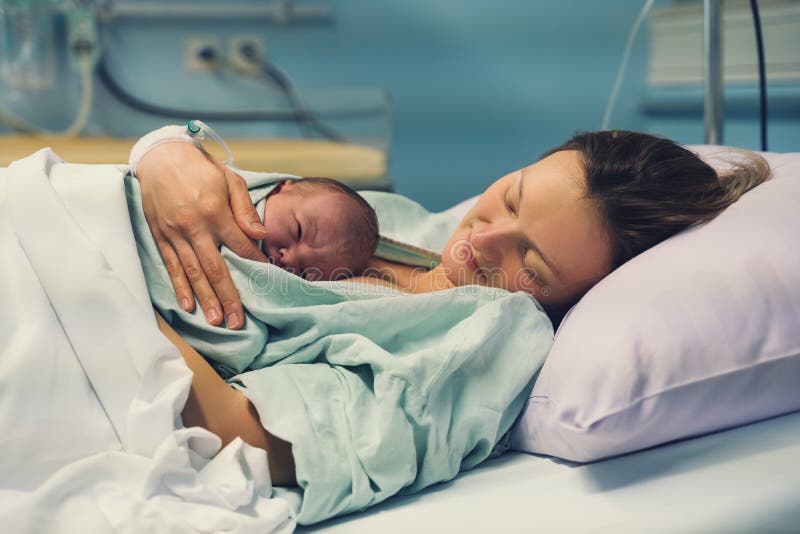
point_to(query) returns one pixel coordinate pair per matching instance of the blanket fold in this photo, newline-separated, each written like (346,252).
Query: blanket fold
(379,392)
(92,392)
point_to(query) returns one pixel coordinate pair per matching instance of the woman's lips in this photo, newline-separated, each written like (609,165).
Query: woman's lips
(473,264)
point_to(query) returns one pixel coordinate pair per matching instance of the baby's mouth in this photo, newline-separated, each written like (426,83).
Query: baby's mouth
(275,261)
(471,260)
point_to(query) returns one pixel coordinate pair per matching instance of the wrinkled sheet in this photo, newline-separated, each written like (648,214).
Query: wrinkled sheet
(379,392)
(744,480)
(90,392)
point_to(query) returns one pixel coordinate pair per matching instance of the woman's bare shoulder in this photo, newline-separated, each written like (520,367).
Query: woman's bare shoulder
(405,278)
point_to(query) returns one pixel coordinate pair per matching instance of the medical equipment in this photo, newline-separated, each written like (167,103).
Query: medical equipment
(298,113)
(26,36)
(713,114)
(280,12)
(612,99)
(134,102)
(762,74)
(27,58)
(199,130)
(284,12)
(307,119)
(713,81)
(27,55)
(712,33)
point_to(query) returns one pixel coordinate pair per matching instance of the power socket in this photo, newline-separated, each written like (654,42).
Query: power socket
(238,61)
(201,54)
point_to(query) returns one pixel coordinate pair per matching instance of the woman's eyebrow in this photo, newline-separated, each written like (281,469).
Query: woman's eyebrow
(531,243)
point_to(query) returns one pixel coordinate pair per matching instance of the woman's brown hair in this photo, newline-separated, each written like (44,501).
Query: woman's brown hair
(648,188)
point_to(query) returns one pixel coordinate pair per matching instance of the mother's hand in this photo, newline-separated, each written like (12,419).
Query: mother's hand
(192,204)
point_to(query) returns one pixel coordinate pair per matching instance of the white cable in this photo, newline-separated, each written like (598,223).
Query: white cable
(612,99)
(198,130)
(16,123)
(81,117)
(85,105)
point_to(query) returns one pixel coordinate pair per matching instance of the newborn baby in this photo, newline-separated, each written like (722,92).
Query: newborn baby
(318,229)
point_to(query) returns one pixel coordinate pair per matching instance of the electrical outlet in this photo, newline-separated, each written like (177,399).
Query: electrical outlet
(237,58)
(201,54)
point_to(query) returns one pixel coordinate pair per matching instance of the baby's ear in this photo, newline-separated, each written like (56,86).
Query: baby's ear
(282,186)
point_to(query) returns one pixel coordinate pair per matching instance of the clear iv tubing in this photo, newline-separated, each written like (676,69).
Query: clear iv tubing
(199,129)
(612,99)
(81,117)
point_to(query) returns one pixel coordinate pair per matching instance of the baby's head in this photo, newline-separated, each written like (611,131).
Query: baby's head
(319,229)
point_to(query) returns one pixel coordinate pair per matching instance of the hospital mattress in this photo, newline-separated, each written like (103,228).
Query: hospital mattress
(742,480)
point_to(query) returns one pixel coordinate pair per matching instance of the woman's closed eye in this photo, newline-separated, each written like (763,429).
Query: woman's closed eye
(529,272)
(510,206)
(514,192)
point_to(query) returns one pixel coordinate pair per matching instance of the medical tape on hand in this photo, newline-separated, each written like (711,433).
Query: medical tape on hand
(156,138)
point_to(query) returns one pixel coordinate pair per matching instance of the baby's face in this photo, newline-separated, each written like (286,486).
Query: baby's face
(305,235)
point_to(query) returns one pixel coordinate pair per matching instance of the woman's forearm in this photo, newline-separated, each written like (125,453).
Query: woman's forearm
(214,405)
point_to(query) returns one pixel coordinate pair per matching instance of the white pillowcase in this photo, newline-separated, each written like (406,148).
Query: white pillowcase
(700,333)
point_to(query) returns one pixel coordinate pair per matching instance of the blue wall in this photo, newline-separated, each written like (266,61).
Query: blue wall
(478,87)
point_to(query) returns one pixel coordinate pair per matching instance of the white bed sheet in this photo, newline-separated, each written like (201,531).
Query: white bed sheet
(742,480)
(90,390)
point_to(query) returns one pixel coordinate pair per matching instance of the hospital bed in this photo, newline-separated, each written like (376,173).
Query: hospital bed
(745,479)
(741,480)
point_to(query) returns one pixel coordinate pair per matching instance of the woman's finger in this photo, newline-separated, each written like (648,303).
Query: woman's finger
(243,209)
(196,275)
(183,291)
(218,289)
(233,238)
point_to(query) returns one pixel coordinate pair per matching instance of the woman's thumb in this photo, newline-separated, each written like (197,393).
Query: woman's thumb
(243,210)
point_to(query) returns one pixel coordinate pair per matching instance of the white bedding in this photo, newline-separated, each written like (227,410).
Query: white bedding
(743,480)
(90,391)
(91,440)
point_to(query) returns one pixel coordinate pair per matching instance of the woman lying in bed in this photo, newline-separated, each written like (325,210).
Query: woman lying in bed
(550,230)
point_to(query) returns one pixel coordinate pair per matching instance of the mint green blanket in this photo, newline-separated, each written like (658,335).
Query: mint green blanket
(378,392)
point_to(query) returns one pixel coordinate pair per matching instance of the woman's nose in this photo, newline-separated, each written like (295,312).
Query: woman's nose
(493,239)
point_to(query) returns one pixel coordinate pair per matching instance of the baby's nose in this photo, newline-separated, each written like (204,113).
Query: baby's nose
(288,258)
